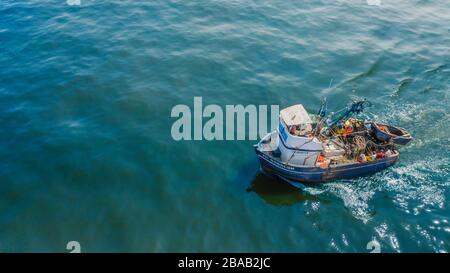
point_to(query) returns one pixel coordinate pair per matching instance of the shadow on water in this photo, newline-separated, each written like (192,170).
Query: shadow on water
(277,192)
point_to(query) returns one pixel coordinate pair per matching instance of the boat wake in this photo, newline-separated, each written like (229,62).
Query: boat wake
(313,190)
(413,188)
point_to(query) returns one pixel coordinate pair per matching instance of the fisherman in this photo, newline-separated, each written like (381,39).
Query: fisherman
(348,123)
(380,154)
(348,131)
(388,153)
(348,128)
(362,158)
(292,130)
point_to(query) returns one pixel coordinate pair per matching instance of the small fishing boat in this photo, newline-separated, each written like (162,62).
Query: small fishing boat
(326,146)
(385,132)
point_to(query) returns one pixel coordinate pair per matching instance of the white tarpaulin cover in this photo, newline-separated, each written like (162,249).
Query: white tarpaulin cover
(295,115)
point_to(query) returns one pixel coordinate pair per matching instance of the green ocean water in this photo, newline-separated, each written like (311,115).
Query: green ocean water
(86,152)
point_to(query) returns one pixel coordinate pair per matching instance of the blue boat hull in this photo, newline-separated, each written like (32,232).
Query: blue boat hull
(382,135)
(402,140)
(397,139)
(317,174)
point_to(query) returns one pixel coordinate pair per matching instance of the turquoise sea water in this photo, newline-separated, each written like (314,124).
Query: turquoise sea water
(85,147)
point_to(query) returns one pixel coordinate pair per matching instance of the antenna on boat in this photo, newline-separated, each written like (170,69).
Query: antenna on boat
(321,115)
(323,108)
